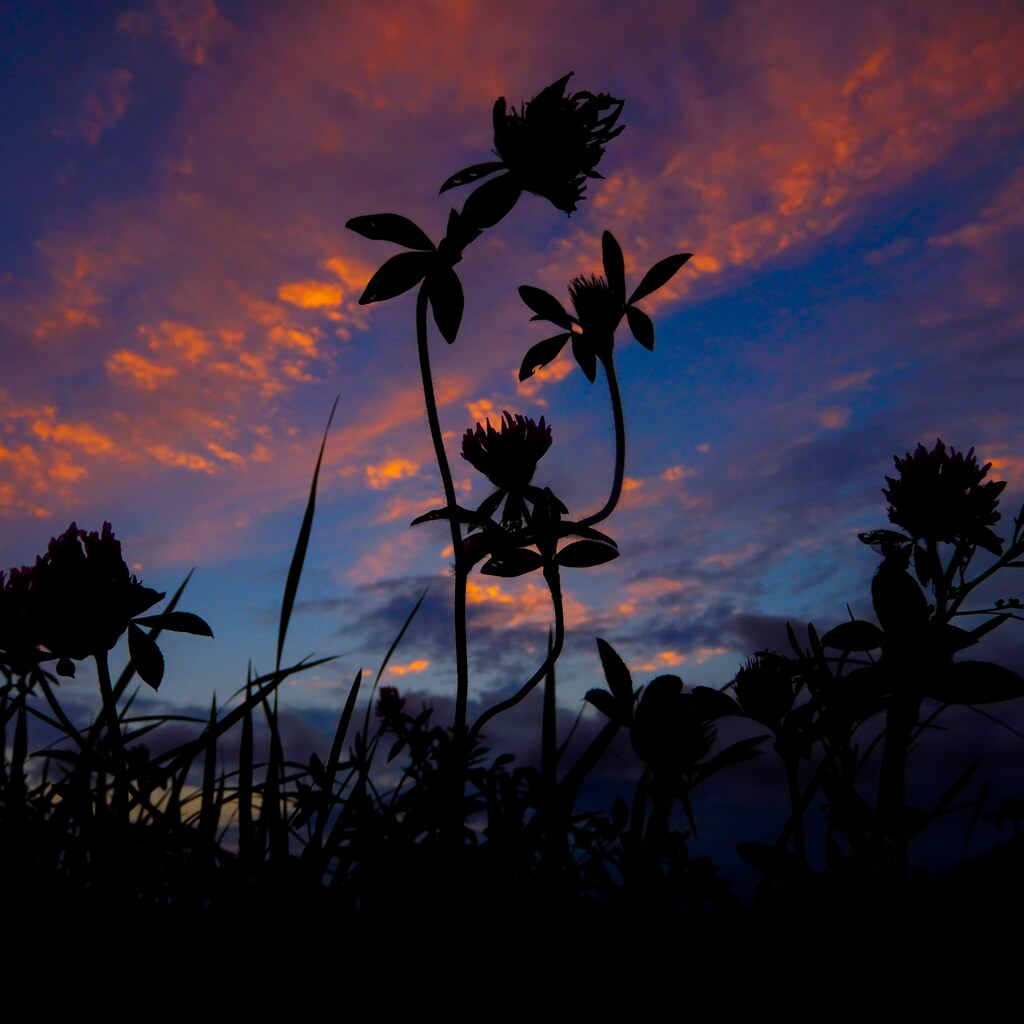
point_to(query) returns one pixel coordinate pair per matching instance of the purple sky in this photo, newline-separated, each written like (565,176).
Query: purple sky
(178,310)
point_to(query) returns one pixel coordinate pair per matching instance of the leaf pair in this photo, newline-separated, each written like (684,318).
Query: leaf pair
(433,265)
(599,305)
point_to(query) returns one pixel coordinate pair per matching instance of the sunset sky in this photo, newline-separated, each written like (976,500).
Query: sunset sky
(178,310)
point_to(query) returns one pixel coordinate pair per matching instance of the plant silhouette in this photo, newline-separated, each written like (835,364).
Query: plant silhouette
(409,819)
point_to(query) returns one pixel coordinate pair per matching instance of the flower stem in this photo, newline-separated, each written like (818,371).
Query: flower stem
(461,571)
(620,446)
(554,650)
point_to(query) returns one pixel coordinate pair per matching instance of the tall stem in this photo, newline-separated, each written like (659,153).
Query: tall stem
(461,646)
(554,650)
(620,445)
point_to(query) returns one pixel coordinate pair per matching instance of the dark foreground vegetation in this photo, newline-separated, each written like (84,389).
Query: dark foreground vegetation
(410,827)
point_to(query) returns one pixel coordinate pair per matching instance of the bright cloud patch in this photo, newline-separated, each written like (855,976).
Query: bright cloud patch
(383,475)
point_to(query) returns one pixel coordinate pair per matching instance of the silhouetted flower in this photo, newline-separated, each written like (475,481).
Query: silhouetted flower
(939,496)
(389,703)
(549,148)
(599,303)
(83,597)
(17,629)
(508,456)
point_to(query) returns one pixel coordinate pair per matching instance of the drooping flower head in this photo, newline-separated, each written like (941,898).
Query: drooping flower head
(939,496)
(83,596)
(555,143)
(549,147)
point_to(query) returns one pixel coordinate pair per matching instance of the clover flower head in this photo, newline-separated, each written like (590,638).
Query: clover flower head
(389,703)
(554,143)
(549,147)
(508,456)
(939,496)
(598,308)
(83,596)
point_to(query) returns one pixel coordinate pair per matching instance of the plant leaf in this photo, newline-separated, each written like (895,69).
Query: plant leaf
(177,622)
(396,275)
(541,354)
(854,636)
(583,553)
(291,585)
(545,306)
(660,274)
(391,227)
(614,268)
(446,300)
(586,358)
(491,201)
(470,174)
(642,327)
(605,703)
(620,682)
(146,656)
(976,682)
(516,562)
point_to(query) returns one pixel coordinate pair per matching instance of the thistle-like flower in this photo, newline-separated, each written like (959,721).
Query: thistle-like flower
(77,600)
(939,496)
(599,303)
(550,147)
(508,457)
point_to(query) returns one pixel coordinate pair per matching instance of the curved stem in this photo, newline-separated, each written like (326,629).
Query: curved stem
(461,572)
(620,445)
(555,587)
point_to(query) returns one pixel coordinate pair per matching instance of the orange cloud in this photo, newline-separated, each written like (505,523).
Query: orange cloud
(168,456)
(82,435)
(311,294)
(381,476)
(414,666)
(131,368)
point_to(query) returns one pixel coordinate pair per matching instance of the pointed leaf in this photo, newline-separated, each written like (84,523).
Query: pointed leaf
(396,275)
(177,622)
(545,306)
(986,627)
(516,562)
(642,327)
(491,201)
(470,174)
(583,553)
(146,656)
(620,682)
(605,703)
(715,703)
(446,300)
(854,636)
(976,682)
(291,585)
(586,358)
(541,354)
(875,537)
(661,273)
(391,227)
(614,268)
